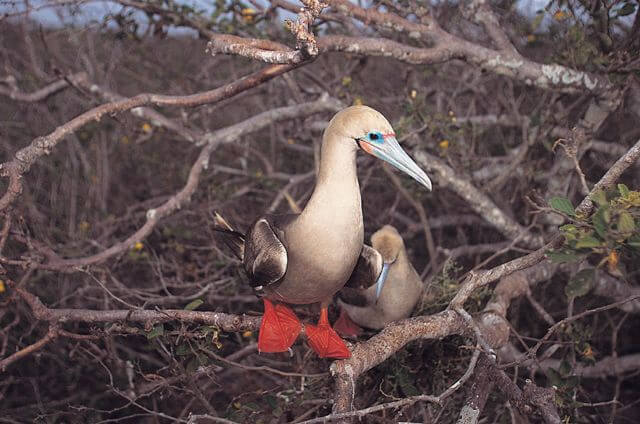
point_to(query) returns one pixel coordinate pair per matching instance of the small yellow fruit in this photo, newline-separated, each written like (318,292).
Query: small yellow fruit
(444,144)
(413,94)
(248,14)
(247,334)
(138,246)
(612,260)
(2,287)
(531,38)
(588,353)
(560,16)
(146,127)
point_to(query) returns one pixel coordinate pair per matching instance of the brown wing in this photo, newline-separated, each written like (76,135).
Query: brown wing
(364,275)
(265,253)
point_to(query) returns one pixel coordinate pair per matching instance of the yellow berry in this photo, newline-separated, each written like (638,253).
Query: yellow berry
(560,15)
(248,14)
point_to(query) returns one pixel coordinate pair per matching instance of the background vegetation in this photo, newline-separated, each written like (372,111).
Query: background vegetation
(517,116)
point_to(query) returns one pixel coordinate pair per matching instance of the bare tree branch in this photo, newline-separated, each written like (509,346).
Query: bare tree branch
(211,143)
(44,92)
(26,157)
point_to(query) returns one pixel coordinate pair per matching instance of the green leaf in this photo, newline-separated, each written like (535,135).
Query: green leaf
(564,368)
(581,283)
(193,365)
(560,257)
(599,197)
(568,228)
(405,383)
(623,189)
(554,377)
(634,241)
(194,304)
(570,232)
(563,205)
(272,401)
(535,23)
(571,382)
(626,223)
(156,331)
(599,222)
(252,406)
(587,242)
(183,350)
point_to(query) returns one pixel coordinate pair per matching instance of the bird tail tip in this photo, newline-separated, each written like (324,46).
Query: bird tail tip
(219,221)
(233,239)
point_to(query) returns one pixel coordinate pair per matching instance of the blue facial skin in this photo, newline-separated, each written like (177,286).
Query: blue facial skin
(375,137)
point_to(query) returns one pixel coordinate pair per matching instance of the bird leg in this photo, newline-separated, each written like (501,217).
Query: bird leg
(324,340)
(345,326)
(279,328)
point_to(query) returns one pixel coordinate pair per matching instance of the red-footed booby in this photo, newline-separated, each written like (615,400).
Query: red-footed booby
(383,288)
(306,258)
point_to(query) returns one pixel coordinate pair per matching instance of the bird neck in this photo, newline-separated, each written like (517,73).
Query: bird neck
(335,201)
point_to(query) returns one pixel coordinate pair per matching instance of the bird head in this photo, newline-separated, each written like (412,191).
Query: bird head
(370,131)
(388,241)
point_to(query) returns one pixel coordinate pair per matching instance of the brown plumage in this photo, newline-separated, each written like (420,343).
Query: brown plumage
(402,287)
(306,258)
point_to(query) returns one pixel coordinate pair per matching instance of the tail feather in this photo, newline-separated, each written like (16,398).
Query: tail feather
(233,239)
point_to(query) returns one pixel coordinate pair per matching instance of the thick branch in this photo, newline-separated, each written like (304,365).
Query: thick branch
(508,63)
(257,49)
(378,348)
(610,177)
(226,322)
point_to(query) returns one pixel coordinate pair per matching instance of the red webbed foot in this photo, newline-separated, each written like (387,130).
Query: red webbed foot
(279,328)
(345,326)
(324,340)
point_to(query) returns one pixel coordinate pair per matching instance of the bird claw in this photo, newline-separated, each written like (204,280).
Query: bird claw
(325,341)
(279,328)
(345,326)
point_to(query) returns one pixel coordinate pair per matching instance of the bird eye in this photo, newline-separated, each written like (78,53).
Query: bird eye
(375,136)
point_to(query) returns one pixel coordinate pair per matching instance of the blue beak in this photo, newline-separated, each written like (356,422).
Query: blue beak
(381,279)
(390,151)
